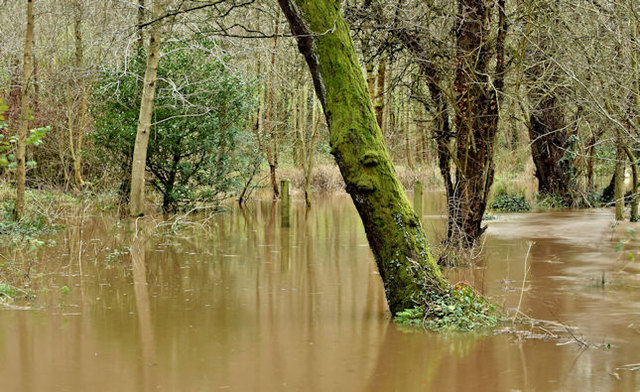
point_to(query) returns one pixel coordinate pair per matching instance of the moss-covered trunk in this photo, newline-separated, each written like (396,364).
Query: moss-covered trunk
(393,229)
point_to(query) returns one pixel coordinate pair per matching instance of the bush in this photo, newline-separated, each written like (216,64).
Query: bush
(198,149)
(552,201)
(510,203)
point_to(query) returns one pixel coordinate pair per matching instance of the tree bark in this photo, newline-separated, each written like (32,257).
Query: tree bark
(137,197)
(394,231)
(380,93)
(634,184)
(308,163)
(271,139)
(618,194)
(549,143)
(407,132)
(476,117)
(76,141)
(23,126)
(141,9)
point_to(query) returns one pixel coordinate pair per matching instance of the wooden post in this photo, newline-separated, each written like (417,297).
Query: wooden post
(285,203)
(417,199)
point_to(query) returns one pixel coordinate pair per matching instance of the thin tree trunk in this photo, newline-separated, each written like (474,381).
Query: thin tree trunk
(634,184)
(76,145)
(407,132)
(141,9)
(371,80)
(618,193)
(308,166)
(394,231)
(302,125)
(380,93)
(591,152)
(293,109)
(137,197)
(23,126)
(271,138)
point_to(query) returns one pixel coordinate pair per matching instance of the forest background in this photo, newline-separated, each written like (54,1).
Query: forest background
(235,107)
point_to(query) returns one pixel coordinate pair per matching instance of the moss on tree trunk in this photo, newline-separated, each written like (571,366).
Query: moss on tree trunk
(394,232)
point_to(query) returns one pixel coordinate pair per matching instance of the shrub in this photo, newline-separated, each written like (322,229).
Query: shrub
(510,203)
(198,148)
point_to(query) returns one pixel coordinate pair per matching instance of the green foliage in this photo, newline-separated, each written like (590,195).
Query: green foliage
(8,144)
(460,309)
(198,148)
(7,292)
(510,203)
(629,237)
(115,255)
(552,201)
(28,226)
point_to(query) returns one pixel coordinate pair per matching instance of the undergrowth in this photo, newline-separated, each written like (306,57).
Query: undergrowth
(510,203)
(460,309)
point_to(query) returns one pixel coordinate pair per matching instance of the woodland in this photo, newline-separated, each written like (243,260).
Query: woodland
(167,106)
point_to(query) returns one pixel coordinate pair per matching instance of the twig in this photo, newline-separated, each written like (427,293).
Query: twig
(524,280)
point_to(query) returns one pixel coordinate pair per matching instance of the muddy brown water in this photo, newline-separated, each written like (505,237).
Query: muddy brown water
(238,303)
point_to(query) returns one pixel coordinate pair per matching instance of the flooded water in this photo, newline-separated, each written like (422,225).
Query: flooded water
(236,302)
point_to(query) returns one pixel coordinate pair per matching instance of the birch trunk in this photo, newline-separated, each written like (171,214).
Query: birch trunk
(137,197)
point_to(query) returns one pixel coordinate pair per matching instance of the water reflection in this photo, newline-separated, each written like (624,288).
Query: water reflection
(238,302)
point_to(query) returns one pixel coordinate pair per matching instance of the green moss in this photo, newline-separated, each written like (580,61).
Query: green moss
(370,158)
(395,235)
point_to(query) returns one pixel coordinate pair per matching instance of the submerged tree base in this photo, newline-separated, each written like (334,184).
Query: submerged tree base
(460,309)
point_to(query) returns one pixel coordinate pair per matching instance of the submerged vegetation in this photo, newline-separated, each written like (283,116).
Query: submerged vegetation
(460,309)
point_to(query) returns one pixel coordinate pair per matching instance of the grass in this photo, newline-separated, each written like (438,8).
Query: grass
(46,212)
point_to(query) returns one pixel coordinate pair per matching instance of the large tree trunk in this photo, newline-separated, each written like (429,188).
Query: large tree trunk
(549,144)
(476,117)
(393,229)
(23,126)
(137,198)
